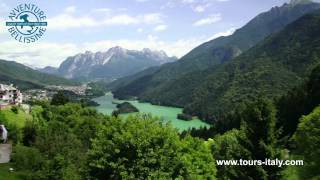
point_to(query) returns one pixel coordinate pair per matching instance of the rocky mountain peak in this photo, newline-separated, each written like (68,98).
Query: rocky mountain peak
(295,2)
(113,63)
(117,49)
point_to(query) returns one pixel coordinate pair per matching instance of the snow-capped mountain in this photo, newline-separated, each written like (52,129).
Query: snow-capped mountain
(115,63)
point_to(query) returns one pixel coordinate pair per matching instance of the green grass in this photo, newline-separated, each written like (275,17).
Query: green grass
(10,118)
(7,175)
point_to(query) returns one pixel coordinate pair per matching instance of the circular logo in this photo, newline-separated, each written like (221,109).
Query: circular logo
(27,23)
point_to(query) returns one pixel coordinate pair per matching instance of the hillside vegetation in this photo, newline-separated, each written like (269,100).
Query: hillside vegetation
(26,78)
(277,64)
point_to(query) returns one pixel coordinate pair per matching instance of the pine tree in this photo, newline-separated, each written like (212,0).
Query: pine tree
(259,125)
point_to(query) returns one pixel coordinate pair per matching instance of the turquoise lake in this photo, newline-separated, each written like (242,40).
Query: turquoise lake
(166,114)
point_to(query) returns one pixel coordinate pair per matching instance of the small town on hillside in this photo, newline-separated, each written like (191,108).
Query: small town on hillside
(11,95)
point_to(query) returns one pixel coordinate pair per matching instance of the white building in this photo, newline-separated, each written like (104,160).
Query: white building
(10,94)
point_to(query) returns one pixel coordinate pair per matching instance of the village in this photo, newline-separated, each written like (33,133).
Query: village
(11,95)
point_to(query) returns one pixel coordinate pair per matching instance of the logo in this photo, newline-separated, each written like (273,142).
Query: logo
(27,23)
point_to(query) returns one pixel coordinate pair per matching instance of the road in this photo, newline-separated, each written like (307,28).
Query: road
(5,152)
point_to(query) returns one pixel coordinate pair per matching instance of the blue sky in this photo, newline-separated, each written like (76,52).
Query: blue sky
(175,26)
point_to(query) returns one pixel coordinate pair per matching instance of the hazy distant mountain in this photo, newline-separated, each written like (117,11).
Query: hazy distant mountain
(30,66)
(49,70)
(117,62)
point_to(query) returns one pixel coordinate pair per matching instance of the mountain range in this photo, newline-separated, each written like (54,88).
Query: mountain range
(115,63)
(223,49)
(265,57)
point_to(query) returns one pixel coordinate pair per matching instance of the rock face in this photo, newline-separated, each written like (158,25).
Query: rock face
(115,63)
(295,2)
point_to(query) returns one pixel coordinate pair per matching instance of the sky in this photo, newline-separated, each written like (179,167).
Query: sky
(175,26)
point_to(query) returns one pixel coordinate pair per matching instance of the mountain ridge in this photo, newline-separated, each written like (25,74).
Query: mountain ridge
(276,65)
(114,63)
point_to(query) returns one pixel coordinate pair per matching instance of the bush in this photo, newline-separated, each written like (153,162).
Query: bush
(142,148)
(29,133)
(15,109)
(14,133)
(26,158)
(307,138)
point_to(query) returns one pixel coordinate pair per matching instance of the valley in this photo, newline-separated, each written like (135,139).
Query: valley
(250,95)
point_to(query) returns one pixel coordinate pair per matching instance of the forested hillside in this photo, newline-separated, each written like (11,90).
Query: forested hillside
(275,65)
(25,77)
(184,75)
(270,69)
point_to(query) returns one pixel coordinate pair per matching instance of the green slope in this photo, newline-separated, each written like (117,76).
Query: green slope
(270,69)
(157,86)
(129,79)
(25,77)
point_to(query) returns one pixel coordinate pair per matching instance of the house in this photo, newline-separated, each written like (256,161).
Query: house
(10,95)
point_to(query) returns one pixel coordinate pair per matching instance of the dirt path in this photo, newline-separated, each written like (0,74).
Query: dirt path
(5,152)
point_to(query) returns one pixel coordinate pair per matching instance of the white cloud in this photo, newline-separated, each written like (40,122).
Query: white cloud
(208,20)
(224,33)
(188,1)
(67,21)
(153,18)
(195,5)
(108,10)
(161,27)
(122,19)
(37,54)
(199,8)
(102,10)
(70,9)
(173,48)
(139,30)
